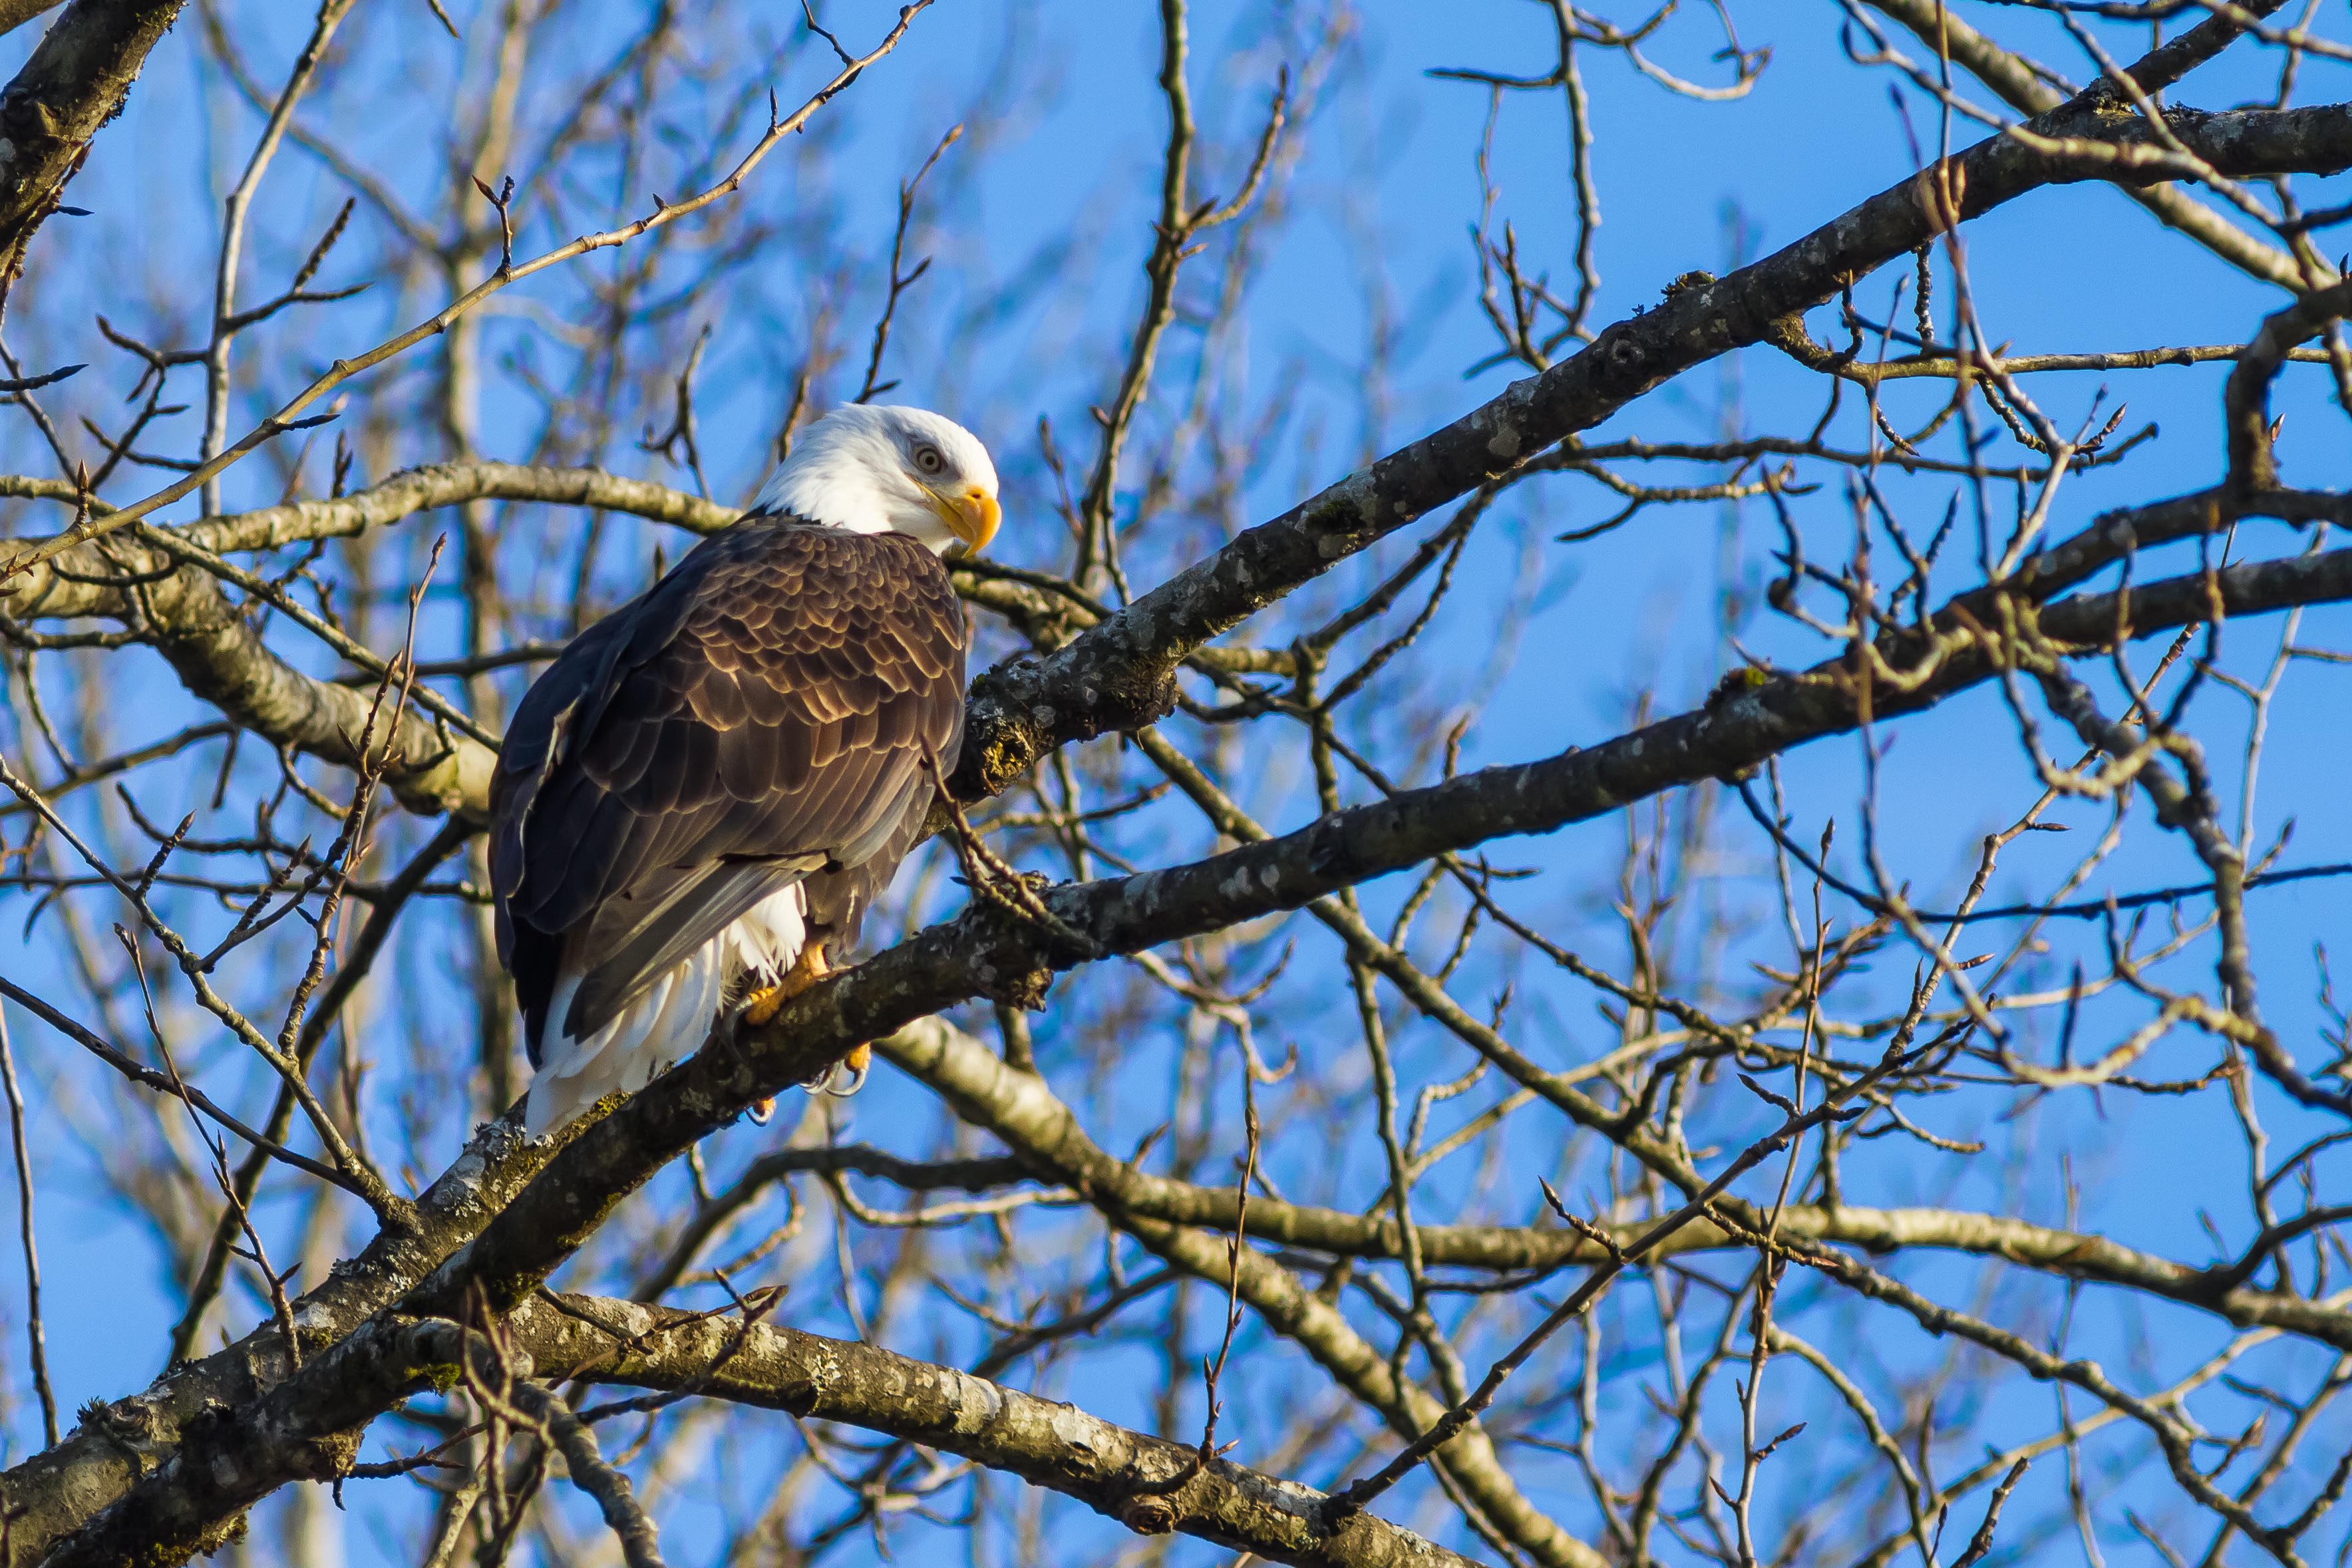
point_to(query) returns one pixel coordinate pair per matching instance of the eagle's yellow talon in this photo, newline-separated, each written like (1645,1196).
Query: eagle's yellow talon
(764,1004)
(860,1059)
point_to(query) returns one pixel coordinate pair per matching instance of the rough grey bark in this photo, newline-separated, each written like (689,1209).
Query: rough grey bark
(15,14)
(1051,1445)
(54,1493)
(73,84)
(1937,27)
(306,1428)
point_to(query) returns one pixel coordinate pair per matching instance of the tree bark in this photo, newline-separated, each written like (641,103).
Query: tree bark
(73,84)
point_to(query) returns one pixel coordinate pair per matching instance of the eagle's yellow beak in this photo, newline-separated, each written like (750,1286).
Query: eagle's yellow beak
(971,516)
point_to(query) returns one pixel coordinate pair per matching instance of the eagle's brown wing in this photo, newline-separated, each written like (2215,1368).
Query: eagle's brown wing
(761,715)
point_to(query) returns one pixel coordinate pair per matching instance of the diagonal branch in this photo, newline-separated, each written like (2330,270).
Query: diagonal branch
(988,952)
(1051,1445)
(2023,90)
(74,83)
(1018,1108)
(1118,675)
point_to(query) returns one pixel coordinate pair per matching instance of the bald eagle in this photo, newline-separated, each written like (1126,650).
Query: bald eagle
(699,797)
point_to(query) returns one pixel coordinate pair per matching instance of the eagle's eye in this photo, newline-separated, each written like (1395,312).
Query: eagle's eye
(929,460)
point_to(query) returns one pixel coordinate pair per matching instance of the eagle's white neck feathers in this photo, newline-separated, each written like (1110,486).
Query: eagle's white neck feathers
(879,470)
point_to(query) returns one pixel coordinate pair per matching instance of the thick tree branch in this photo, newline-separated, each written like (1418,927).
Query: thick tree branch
(1118,676)
(15,14)
(218,655)
(1059,1447)
(71,1486)
(1018,1108)
(73,84)
(306,1428)
(1939,27)
(59,588)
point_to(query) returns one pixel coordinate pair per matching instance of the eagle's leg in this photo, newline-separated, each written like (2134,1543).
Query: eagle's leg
(763,1005)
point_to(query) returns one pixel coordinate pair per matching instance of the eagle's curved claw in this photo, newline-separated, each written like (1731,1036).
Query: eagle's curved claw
(855,1068)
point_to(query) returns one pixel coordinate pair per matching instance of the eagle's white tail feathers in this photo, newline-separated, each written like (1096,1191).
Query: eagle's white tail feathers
(667,1022)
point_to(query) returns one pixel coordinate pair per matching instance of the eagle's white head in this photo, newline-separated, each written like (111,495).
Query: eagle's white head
(884,470)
